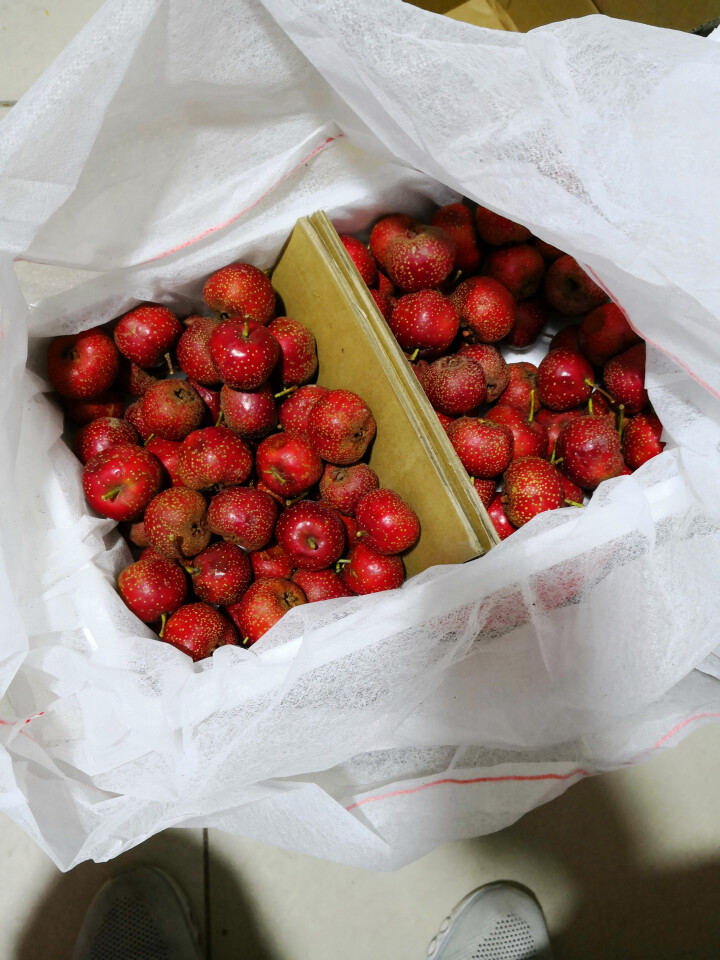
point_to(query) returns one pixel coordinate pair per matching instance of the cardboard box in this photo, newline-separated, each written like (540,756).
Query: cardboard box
(411,454)
(526,14)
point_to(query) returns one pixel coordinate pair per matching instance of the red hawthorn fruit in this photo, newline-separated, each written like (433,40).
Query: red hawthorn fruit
(176,523)
(320,585)
(387,524)
(456,385)
(287,464)
(198,630)
(272,562)
(531,486)
(425,320)
(212,457)
(564,380)
(569,289)
(294,412)
(485,448)
(152,588)
(343,487)
(486,308)
(457,221)
(499,519)
(384,231)
(243,515)
(418,259)
(519,268)
(370,572)
(100,434)
(82,366)
(497,372)
(265,602)
(240,290)
(341,427)
(121,480)
(193,351)
(312,534)
(221,573)
(641,439)
(362,258)
(497,230)
(171,409)
(249,413)
(298,350)
(146,334)
(244,352)
(85,411)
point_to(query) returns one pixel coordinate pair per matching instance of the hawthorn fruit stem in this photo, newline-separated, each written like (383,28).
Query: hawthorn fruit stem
(163,621)
(591,383)
(111,494)
(413,355)
(246,329)
(171,369)
(574,503)
(245,641)
(152,435)
(285,392)
(621,420)
(220,419)
(532,406)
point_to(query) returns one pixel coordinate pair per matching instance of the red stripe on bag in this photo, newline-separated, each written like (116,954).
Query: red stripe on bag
(220,226)
(534,777)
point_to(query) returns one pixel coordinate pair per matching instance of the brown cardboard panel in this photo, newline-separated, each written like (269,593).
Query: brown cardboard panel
(528,14)
(430,433)
(677,14)
(435,6)
(315,292)
(482,13)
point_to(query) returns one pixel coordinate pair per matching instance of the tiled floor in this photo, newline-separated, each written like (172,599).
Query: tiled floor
(626,866)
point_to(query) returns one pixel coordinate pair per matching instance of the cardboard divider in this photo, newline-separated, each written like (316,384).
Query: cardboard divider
(411,454)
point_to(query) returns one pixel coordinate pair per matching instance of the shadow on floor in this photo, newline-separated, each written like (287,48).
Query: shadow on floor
(53,925)
(623,908)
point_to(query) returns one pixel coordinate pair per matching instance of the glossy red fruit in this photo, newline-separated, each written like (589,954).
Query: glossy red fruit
(458,222)
(383,303)
(121,481)
(298,350)
(193,350)
(244,352)
(386,523)
(531,486)
(265,602)
(530,438)
(172,409)
(384,231)
(240,290)
(134,416)
(590,451)
(370,572)
(497,230)
(485,448)
(341,427)
(624,377)
(445,421)
(137,535)
(100,434)
(198,630)
(569,289)
(485,489)
(146,334)
(456,385)
(82,366)
(221,573)
(320,585)
(554,422)
(598,405)
(243,515)
(499,519)
(152,588)
(211,399)
(605,332)
(571,491)
(385,286)
(85,411)
(521,391)
(213,457)
(419,368)
(361,257)
(424,321)
(167,452)
(176,523)
(312,533)
(343,487)
(351,527)
(567,339)
(419,258)
(486,308)
(133,379)
(546,250)
(641,439)
(272,562)
(287,464)
(530,317)
(249,413)
(497,373)
(564,380)
(295,411)
(519,268)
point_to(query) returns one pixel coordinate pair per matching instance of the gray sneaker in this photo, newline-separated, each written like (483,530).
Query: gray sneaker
(500,921)
(139,915)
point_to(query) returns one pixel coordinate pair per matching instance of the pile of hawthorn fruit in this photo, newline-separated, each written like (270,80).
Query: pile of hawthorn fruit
(532,438)
(238,521)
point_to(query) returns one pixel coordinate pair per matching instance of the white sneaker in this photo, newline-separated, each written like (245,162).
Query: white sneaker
(500,921)
(139,915)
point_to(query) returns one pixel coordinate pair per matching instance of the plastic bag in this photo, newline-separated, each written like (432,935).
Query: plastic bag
(365,730)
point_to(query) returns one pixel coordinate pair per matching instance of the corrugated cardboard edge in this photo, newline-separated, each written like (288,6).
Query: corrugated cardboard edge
(315,292)
(431,432)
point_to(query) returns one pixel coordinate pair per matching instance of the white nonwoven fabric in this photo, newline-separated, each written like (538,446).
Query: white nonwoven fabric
(173,136)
